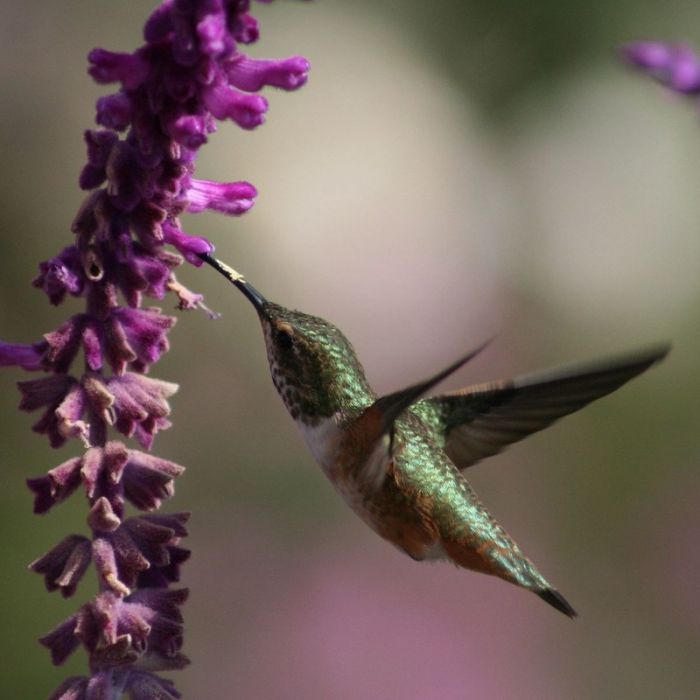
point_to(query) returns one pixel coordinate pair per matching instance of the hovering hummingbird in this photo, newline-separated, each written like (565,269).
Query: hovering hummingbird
(398,460)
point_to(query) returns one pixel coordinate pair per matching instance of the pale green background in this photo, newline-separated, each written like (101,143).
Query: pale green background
(452,169)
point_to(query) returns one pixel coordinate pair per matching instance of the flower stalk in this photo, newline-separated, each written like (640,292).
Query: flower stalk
(139,176)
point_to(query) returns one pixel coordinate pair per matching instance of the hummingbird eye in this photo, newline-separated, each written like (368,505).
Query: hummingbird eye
(284,339)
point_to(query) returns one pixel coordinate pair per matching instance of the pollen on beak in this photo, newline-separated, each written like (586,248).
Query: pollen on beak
(237,279)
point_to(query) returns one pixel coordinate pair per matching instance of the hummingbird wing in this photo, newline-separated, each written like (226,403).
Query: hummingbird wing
(479,421)
(375,423)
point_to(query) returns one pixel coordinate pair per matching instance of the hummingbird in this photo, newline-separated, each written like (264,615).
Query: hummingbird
(399,460)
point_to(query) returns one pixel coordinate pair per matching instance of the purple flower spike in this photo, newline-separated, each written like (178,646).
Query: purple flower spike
(675,65)
(139,176)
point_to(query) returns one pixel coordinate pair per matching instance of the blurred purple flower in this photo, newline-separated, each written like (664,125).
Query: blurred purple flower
(676,66)
(139,174)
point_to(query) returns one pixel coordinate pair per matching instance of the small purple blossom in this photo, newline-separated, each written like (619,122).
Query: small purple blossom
(27,357)
(113,471)
(677,66)
(65,564)
(139,177)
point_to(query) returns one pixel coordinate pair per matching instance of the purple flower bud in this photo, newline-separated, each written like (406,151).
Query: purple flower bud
(73,688)
(110,67)
(191,130)
(62,640)
(148,480)
(29,357)
(159,24)
(140,544)
(126,180)
(112,472)
(675,65)
(64,343)
(114,111)
(139,336)
(105,559)
(134,270)
(123,629)
(102,468)
(248,111)
(140,405)
(56,486)
(66,404)
(99,146)
(64,565)
(251,74)
(245,29)
(102,517)
(163,576)
(213,36)
(226,197)
(60,275)
(189,246)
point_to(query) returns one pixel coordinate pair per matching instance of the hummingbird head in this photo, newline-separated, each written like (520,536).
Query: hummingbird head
(313,365)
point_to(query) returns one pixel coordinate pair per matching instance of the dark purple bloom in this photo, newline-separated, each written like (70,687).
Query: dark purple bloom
(676,66)
(56,486)
(139,176)
(148,480)
(64,400)
(65,564)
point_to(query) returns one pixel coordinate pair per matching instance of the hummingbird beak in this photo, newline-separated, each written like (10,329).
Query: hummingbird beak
(237,279)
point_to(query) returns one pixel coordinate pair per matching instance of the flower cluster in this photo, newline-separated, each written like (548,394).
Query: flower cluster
(676,66)
(140,177)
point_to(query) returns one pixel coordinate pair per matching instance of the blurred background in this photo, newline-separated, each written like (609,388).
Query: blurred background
(452,170)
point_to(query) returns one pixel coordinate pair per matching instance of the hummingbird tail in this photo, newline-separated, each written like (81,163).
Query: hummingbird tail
(557,600)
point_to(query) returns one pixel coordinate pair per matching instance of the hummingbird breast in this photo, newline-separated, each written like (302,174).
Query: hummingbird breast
(387,510)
